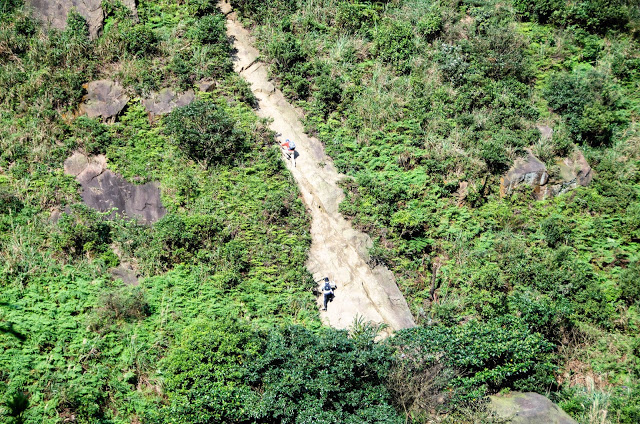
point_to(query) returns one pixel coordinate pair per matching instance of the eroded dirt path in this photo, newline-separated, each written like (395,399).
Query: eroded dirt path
(337,250)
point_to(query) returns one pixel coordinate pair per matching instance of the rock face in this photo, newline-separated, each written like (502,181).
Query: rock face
(529,170)
(166,100)
(206,85)
(573,171)
(528,408)
(104,98)
(55,12)
(104,190)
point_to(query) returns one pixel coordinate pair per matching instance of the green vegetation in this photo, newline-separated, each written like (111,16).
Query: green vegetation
(423,105)
(75,343)
(414,100)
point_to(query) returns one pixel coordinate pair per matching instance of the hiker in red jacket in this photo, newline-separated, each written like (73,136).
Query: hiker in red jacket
(291,150)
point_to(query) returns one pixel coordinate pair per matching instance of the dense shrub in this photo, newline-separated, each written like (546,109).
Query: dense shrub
(394,44)
(587,102)
(597,16)
(92,135)
(206,133)
(84,231)
(210,29)
(286,51)
(231,373)
(540,10)
(500,353)
(139,40)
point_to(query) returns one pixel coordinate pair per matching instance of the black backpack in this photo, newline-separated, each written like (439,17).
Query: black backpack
(327,286)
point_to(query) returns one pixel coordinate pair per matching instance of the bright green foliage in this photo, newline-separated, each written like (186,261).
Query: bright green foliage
(139,40)
(393,44)
(76,343)
(597,16)
(588,104)
(424,131)
(206,133)
(232,373)
(486,356)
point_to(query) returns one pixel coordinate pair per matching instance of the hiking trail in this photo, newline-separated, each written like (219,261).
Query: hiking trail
(337,250)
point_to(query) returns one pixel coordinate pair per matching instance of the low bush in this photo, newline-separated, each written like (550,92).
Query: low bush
(486,356)
(206,133)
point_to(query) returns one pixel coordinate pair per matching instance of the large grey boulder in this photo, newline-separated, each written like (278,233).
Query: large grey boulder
(528,408)
(164,101)
(104,99)
(55,12)
(104,190)
(529,170)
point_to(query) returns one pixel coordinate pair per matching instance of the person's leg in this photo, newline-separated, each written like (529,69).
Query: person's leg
(326,298)
(293,157)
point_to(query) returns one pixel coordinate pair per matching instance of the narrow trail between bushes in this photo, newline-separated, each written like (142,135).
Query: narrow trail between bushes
(337,250)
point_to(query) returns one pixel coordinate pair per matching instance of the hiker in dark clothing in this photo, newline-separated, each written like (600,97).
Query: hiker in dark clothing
(327,291)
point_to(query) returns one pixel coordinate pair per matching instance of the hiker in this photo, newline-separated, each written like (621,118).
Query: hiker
(291,150)
(327,291)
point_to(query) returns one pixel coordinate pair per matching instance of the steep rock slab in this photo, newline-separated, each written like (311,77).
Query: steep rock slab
(337,250)
(528,408)
(104,99)
(164,101)
(104,190)
(55,12)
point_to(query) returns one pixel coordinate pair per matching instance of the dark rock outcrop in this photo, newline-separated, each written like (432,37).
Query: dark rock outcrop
(573,171)
(104,190)
(528,408)
(166,100)
(55,12)
(104,99)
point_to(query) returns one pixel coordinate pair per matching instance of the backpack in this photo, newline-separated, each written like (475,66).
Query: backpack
(327,286)
(292,145)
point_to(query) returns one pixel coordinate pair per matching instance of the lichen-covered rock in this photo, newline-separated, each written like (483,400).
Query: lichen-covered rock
(573,171)
(104,99)
(55,12)
(104,190)
(528,408)
(164,101)
(529,170)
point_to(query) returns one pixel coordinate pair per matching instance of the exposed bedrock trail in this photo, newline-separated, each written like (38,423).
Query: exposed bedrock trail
(337,250)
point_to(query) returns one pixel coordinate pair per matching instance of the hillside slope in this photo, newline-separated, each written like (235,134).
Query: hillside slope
(337,251)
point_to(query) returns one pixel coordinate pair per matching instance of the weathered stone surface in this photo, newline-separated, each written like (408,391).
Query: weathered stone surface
(529,170)
(166,100)
(573,171)
(104,190)
(126,273)
(546,133)
(528,408)
(55,12)
(463,191)
(206,85)
(75,164)
(104,98)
